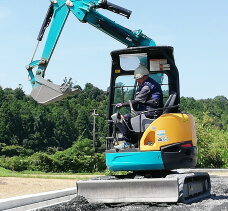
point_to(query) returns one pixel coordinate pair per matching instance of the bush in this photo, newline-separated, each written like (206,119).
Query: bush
(2,145)
(15,163)
(100,162)
(74,163)
(212,144)
(13,150)
(42,162)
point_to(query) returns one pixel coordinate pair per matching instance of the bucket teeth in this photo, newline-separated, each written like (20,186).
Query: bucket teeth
(45,92)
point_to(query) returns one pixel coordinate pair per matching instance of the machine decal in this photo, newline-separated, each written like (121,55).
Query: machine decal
(159,139)
(160,135)
(166,139)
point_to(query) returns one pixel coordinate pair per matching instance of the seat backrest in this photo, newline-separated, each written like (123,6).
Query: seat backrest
(169,103)
(140,123)
(145,122)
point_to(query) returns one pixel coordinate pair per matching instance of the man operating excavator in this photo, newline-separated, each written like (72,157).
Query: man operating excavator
(161,144)
(148,98)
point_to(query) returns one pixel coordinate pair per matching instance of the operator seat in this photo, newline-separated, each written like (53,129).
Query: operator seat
(140,122)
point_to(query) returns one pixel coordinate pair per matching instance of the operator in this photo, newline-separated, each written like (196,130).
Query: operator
(148,98)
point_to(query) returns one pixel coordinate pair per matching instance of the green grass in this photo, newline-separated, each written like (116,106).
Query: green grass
(36,174)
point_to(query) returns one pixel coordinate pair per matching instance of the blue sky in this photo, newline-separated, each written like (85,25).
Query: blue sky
(198,31)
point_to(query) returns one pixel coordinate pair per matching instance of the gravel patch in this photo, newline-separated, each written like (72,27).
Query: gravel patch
(218,201)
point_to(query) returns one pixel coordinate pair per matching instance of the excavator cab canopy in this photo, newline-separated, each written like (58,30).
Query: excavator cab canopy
(159,60)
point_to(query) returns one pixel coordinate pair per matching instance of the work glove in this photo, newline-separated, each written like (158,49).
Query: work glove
(119,105)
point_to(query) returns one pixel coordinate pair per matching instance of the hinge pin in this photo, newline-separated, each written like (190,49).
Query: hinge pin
(69,3)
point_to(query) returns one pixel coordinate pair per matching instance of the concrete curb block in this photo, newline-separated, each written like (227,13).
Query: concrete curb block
(203,170)
(19,201)
(212,170)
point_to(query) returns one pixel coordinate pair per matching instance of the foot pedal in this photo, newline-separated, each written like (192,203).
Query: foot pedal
(45,92)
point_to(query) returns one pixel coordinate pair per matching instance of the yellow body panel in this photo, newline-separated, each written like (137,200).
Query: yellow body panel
(168,129)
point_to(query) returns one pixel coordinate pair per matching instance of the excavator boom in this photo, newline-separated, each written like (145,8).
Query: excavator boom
(86,12)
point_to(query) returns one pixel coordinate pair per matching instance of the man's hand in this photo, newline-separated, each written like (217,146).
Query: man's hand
(119,105)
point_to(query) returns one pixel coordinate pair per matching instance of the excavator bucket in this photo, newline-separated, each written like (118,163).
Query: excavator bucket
(45,92)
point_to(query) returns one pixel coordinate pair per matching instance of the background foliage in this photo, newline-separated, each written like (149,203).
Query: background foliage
(58,137)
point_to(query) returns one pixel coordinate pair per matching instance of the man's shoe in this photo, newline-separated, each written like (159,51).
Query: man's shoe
(124,145)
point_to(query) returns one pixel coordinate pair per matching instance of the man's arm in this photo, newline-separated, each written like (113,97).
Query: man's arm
(142,95)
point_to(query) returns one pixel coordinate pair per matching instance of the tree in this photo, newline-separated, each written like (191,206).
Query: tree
(19,93)
(63,130)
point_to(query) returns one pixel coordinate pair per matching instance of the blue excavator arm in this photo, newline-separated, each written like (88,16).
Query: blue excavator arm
(45,92)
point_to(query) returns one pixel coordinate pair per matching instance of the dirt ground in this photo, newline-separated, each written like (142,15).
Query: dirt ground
(14,186)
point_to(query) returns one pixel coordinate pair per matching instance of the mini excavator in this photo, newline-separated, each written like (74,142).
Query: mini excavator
(161,145)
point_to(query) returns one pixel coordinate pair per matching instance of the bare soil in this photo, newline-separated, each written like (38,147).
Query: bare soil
(15,186)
